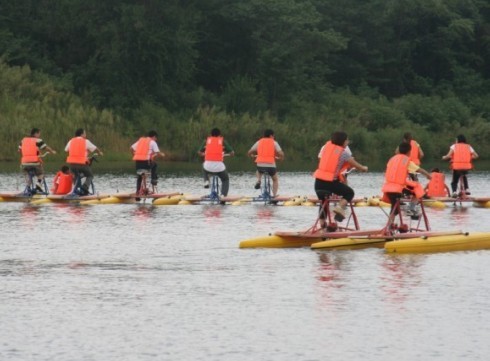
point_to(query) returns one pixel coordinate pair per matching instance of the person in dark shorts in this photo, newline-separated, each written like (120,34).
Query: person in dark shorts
(333,157)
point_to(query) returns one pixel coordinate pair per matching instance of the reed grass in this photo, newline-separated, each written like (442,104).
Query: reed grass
(375,125)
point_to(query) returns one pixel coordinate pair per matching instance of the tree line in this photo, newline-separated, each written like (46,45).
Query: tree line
(304,67)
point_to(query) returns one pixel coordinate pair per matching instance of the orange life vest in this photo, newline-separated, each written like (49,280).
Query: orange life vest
(214,149)
(29,150)
(437,185)
(342,172)
(329,162)
(62,183)
(416,188)
(142,149)
(77,153)
(461,158)
(266,152)
(396,174)
(415,152)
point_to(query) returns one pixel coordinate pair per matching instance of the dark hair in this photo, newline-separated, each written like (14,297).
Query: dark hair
(461,138)
(79,132)
(435,170)
(339,138)
(35,131)
(65,169)
(404,148)
(152,133)
(407,136)
(215,132)
(268,133)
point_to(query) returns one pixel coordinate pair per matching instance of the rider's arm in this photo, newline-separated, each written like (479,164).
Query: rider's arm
(424,172)
(448,155)
(279,152)
(228,149)
(421,152)
(357,165)
(253,150)
(202,149)
(50,150)
(474,155)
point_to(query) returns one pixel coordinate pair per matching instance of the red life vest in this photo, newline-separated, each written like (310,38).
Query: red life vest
(77,153)
(62,183)
(214,149)
(266,152)
(437,185)
(415,152)
(461,158)
(396,174)
(30,153)
(142,149)
(329,162)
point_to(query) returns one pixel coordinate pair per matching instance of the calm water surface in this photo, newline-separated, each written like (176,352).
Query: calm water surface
(132,282)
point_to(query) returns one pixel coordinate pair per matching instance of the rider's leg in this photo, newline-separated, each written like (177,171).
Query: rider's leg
(154,175)
(347,194)
(89,176)
(465,180)
(275,184)
(259,178)
(455,180)
(225,182)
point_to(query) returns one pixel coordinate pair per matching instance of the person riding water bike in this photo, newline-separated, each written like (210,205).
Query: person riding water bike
(461,155)
(397,178)
(78,149)
(30,149)
(266,150)
(416,154)
(144,151)
(213,150)
(334,156)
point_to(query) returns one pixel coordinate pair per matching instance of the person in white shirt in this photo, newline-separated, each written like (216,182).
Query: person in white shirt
(145,150)
(78,149)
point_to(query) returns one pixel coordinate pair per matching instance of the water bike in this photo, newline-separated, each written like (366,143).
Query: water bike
(327,233)
(32,188)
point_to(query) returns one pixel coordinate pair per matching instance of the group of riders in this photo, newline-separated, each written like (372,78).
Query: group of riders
(335,161)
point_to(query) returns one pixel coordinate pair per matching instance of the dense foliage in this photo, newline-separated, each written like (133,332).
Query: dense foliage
(305,67)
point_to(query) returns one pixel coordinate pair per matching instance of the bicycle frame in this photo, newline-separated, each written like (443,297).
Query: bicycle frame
(77,188)
(213,196)
(142,179)
(265,189)
(30,188)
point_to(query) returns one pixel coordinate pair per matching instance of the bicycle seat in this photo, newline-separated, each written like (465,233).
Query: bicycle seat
(142,171)
(324,194)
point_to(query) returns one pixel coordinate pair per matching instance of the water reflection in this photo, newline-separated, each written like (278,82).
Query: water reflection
(143,212)
(75,212)
(330,276)
(401,273)
(211,212)
(29,215)
(460,217)
(265,213)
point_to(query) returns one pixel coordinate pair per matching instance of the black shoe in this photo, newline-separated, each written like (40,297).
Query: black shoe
(222,203)
(137,199)
(257,185)
(84,191)
(206,184)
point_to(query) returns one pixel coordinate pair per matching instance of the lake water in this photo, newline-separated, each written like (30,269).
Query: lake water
(141,282)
